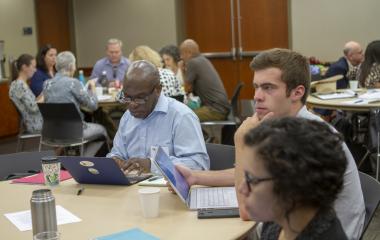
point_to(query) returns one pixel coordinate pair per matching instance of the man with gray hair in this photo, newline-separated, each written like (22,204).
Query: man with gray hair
(347,65)
(114,65)
(153,120)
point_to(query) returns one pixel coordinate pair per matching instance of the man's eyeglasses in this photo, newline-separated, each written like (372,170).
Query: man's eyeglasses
(249,179)
(128,100)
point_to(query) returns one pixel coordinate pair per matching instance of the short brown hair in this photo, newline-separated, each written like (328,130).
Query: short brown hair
(294,67)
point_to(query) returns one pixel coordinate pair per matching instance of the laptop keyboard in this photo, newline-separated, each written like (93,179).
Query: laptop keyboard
(217,197)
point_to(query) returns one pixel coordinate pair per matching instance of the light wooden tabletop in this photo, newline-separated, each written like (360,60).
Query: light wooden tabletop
(109,209)
(315,102)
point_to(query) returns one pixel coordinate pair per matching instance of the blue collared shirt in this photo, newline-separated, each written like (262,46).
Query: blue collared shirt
(171,125)
(116,73)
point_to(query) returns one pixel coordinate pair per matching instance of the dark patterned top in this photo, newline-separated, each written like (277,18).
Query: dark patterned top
(25,101)
(373,76)
(324,225)
(170,85)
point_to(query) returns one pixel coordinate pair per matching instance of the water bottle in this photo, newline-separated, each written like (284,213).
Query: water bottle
(103,79)
(81,77)
(42,206)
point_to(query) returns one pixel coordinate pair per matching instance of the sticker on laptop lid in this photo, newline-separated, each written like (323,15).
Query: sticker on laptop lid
(93,171)
(86,163)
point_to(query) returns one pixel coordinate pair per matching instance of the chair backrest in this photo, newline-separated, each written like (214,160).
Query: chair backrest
(371,194)
(235,99)
(62,122)
(21,162)
(221,156)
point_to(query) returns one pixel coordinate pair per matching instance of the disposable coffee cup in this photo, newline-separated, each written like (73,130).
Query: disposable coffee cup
(354,84)
(51,168)
(150,202)
(99,91)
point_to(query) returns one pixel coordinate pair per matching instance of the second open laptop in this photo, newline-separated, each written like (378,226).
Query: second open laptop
(98,170)
(199,197)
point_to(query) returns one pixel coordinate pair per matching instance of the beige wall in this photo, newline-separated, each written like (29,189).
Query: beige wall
(320,28)
(135,22)
(14,15)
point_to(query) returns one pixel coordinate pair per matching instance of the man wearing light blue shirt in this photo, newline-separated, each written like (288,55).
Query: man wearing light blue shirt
(153,121)
(114,65)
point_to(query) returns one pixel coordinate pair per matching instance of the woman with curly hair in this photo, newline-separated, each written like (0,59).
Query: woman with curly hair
(293,173)
(369,76)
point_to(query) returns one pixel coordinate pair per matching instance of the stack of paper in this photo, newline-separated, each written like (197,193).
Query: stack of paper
(345,94)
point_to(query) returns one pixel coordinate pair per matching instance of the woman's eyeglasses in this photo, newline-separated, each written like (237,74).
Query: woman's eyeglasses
(252,180)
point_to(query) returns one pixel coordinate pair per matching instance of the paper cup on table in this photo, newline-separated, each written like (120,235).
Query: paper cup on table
(99,91)
(354,84)
(150,201)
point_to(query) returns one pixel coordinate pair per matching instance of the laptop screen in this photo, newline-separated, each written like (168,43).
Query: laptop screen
(177,181)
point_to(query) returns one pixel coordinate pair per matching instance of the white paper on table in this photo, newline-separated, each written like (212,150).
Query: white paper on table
(372,94)
(104,97)
(344,94)
(23,220)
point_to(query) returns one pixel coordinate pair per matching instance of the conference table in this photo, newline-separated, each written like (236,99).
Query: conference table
(108,209)
(315,102)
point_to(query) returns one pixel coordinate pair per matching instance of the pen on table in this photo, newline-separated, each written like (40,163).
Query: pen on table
(358,101)
(154,178)
(80,191)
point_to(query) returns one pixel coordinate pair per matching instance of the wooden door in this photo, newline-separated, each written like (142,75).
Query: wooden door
(53,23)
(231,32)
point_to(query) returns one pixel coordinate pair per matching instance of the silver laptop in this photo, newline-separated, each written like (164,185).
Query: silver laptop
(199,197)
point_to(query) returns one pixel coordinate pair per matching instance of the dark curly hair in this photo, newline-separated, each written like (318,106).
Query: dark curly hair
(305,158)
(40,57)
(371,56)
(171,50)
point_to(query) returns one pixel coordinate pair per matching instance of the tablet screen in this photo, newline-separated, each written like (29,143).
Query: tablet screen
(175,178)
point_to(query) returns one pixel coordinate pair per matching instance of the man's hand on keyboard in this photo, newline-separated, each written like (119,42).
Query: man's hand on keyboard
(139,165)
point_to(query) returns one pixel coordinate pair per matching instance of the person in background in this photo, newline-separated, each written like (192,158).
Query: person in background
(201,78)
(348,65)
(369,76)
(292,187)
(46,58)
(282,84)
(169,83)
(154,120)
(19,92)
(172,60)
(63,88)
(115,65)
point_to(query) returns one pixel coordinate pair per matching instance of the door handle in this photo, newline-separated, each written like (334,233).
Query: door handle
(240,48)
(233,49)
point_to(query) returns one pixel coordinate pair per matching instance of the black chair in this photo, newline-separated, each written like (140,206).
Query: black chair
(21,164)
(233,119)
(221,156)
(371,194)
(62,127)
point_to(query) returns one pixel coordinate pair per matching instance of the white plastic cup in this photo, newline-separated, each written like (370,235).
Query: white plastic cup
(99,91)
(354,84)
(150,202)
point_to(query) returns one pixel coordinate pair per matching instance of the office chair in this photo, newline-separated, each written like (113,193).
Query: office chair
(233,119)
(221,156)
(62,127)
(371,194)
(21,164)
(23,136)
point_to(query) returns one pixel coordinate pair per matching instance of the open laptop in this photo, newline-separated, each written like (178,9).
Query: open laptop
(195,198)
(98,170)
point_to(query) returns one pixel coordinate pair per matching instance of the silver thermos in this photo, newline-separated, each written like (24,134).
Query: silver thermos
(44,217)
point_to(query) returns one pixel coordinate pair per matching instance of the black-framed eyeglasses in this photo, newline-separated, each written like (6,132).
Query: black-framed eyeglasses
(128,100)
(250,179)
